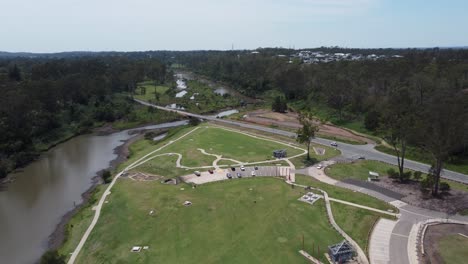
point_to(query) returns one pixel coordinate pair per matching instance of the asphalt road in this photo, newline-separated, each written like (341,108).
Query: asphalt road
(347,150)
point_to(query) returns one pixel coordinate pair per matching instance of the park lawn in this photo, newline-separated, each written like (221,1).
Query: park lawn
(453,249)
(146,90)
(229,144)
(360,171)
(80,221)
(357,170)
(345,194)
(164,166)
(356,222)
(302,162)
(223,225)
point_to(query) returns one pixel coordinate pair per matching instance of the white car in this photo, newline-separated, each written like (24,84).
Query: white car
(253,173)
(334,144)
(242,168)
(319,167)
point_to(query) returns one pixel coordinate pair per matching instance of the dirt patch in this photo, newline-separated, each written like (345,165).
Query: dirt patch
(450,203)
(434,234)
(290,120)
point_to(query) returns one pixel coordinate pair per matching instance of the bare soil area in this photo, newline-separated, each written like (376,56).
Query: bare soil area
(450,203)
(432,237)
(290,120)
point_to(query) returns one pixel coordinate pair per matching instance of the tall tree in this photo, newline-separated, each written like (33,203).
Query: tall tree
(308,130)
(397,124)
(443,125)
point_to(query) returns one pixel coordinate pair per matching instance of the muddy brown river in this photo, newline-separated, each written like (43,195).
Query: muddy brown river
(45,190)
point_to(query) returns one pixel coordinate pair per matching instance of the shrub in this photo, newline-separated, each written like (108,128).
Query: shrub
(52,257)
(444,187)
(392,173)
(106,176)
(406,176)
(417,175)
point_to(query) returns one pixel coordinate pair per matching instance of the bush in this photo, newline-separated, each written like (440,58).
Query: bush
(417,175)
(193,121)
(444,187)
(150,135)
(106,176)
(52,257)
(392,173)
(406,176)
(427,183)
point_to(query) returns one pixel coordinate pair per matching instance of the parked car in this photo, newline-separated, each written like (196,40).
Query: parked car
(239,175)
(256,168)
(210,171)
(319,166)
(233,169)
(253,174)
(334,144)
(197,173)
(242,168)
(361,157)
(229,175)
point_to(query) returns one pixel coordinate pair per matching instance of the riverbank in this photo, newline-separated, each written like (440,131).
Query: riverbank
(61,232)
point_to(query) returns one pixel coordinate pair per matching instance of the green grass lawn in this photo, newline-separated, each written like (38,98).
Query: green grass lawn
(302,162)
(229,144)
(360,171)
(356,222)
(345,194)
(223,225)
(163,166)
(453,249)
(147,91)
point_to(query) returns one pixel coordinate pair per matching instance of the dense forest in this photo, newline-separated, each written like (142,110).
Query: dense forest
(45,100)
(418,100)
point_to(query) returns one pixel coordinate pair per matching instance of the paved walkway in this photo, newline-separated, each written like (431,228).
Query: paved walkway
(379,244)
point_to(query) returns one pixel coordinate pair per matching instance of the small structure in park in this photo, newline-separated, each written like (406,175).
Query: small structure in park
(373,176)
(280,153)
(341,252)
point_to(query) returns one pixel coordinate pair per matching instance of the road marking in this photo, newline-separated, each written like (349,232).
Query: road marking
(400,235)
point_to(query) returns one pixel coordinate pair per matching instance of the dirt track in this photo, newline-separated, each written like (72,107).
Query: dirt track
(290,120)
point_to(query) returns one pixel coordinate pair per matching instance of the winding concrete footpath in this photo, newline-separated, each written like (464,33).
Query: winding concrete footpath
(107,192)
(347,150)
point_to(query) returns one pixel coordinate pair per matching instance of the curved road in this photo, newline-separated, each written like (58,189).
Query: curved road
(347,150)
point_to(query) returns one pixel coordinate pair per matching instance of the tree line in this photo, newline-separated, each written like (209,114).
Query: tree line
(420,100)
(44,100)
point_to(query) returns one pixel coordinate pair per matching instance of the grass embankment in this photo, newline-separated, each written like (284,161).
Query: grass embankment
(302,162)
(360,171)
(341,139)
(224,224)
(80,221)
(452,249)
(357,222)
(456,164)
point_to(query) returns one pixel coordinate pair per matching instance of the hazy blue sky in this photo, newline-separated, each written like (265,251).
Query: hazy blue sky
(125,25)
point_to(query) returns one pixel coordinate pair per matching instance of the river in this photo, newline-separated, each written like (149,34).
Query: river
(48,188)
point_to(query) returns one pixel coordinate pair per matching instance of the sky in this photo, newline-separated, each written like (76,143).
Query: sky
(137,25)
